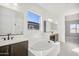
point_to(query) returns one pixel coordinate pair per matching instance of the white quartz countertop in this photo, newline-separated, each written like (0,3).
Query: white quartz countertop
(16,39)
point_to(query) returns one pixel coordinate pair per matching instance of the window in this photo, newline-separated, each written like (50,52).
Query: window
(33,20)
(77,28)
(74,28)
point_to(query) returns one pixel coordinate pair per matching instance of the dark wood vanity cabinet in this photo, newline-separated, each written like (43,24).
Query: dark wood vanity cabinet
(17,49)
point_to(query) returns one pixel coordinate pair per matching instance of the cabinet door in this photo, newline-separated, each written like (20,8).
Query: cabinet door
(20,49)
(4,51)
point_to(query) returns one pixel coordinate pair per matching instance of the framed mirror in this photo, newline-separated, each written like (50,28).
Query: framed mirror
(49,26)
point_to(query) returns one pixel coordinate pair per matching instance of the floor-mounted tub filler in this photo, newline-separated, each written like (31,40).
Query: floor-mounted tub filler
(43,48)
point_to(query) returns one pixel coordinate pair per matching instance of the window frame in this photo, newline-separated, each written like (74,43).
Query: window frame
(75,29)
(34,13)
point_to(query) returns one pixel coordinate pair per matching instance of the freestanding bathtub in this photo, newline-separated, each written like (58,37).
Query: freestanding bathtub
(43,48)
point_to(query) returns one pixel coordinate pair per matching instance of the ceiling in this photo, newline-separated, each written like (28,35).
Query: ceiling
(58,8)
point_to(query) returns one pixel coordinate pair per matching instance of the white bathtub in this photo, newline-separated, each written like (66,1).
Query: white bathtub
(43,48)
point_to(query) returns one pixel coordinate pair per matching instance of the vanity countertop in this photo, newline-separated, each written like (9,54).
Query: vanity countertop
(16,39)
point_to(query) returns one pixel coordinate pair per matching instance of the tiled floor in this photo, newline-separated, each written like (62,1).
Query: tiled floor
(30,53)
(66,49)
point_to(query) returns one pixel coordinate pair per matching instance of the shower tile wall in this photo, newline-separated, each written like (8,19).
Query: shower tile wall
(71,37)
